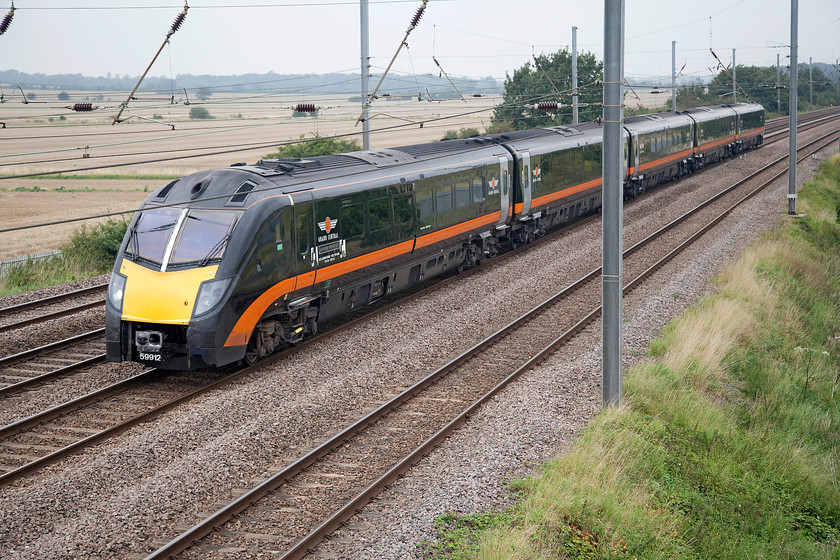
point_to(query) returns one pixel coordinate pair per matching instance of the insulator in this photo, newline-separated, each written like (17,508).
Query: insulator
(417,15)
(178,21)
(305,108)
(82,107)
(7,21)
(547,106)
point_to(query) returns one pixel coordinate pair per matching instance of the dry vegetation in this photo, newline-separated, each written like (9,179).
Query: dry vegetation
(48,138)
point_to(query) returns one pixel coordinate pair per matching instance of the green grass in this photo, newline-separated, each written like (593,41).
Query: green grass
(727,445)
(91,251)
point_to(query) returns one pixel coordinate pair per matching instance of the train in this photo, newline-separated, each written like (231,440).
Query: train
(228,265)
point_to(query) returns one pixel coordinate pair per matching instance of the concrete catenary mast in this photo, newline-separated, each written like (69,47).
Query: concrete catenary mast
(612,277)
(794,105)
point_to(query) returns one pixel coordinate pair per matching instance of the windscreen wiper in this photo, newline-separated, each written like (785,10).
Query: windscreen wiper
(215,249)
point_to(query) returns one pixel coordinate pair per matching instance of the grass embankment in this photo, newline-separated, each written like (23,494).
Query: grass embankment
(728,442)
(90,252)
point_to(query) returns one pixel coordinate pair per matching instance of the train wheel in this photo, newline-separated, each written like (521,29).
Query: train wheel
(250,358)
(253,352)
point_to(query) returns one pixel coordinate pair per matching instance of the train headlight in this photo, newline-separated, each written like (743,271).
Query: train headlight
(116,290)
(209,295)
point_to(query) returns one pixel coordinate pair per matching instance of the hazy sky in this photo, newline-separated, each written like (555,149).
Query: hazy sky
(472,38)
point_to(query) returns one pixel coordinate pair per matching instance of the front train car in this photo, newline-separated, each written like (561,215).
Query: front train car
(170,298)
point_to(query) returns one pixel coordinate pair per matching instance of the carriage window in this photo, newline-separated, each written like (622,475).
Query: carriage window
(278,236)
(402,208)
(379,217)
(443,199)
(304,234)
(351,221)
(462,194)
(426,207)
(477,189)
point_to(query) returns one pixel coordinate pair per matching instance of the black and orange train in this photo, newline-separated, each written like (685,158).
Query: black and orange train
(228,265)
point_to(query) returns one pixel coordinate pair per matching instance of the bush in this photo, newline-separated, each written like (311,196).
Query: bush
(64,96)
(90,252)
(315,147)
(96,248)
(463,133)
(200,113)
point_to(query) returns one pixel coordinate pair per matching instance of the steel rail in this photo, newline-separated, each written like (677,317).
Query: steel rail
(50,316)
(26,354)
(51,299)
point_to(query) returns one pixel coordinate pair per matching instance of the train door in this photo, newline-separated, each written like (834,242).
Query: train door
(305,259)
(504,187)
(527,180)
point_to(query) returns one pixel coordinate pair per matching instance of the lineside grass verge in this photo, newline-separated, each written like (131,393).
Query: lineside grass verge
(91,251)
(728,441)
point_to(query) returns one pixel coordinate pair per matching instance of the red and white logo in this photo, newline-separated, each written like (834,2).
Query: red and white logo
(328,225)
(493,184)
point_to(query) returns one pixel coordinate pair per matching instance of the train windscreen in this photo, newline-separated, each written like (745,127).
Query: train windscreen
(200,236)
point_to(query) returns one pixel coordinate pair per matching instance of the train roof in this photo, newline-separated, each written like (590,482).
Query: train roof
(703,114)
(656,121)
(231,186)
(745,107)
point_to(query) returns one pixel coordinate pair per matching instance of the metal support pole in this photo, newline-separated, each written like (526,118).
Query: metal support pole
(365,34)
(811,80)
(778,83)
(794,105)
(611,232)
(734,80)
(574,77)
(674,76)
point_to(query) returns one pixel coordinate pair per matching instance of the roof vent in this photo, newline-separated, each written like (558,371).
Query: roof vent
(238,199)
(197,189)
(165,190)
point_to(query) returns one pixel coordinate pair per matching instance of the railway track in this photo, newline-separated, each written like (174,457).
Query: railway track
(45,309)
(293,510)
(25,463)
(780,125)
(38,365)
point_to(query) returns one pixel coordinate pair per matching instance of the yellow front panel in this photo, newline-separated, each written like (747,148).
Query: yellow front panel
(161,297)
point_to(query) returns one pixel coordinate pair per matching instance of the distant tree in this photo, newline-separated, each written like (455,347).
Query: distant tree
(529,85)
(64,96)
(31,96)
(315,147)
(200,113)
(694,96)
(758,84)
(463,133)
(204,93)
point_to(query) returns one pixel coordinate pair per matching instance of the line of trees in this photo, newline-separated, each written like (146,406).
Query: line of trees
(758,84)
(539,82)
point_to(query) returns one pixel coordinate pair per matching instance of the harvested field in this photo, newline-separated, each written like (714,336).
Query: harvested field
(47,138)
